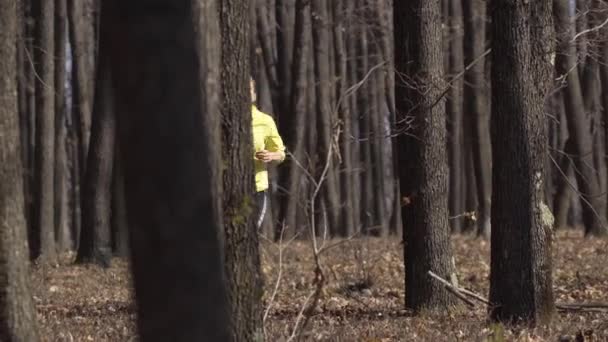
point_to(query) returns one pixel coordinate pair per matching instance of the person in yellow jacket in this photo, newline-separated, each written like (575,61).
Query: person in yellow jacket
(268,147)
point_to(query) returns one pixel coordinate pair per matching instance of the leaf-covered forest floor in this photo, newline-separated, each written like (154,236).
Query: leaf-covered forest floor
(362,299)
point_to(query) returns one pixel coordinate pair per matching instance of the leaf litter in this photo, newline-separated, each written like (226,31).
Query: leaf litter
(362,299)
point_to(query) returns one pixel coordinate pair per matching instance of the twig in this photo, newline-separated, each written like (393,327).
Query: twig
(588,307)
(452,289)
(593,307)
(278,281)
(589,30)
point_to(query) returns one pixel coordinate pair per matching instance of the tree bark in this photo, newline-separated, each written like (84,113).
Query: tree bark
(165,60)
(325,120)
(422,152)
(476,105)
(81,31)
(44,247)
(564,187)
(592,201)
(367,209)
(95,235)
(289,123)
(17,311)
(455,121)
(242,257)
(352,78)
(60,172)
(285,16)
(344,113)
(120,228)
(604,77)
(520,276)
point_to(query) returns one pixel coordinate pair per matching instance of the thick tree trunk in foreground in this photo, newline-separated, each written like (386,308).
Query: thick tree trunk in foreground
(422,153)
(520,278)
(17,311)
(165,60)
(44,223)
(242,256)
(95,235)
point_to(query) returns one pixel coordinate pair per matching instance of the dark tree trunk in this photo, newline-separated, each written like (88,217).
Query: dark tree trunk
(604,76)
(242,257)
(95,235)
(325,120)
(476,105)
(168,118)
(520,277)
(120,229)
(60,173)
(592,201)
(265,36)
(376,113)
(422,152)
(564,186)
(289,123)
(455,115)
(367,208)
(81,31)
(17,309)
(352,79)
(44,232)
(344,113)
(285,45)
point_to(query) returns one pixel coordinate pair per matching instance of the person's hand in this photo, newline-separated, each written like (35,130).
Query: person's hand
(266,156)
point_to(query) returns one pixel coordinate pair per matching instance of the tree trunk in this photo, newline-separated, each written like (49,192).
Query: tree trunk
(592,201)
(564,187)
(344,113)
(17,309)
(325,120)
(352,79)
(285,45)
(455,115)
(168,117)
(81,29)
(60,172)
(297,119)
(520,276)
(604,77)
(367,208)
(422,152)
(476,104)
(242,257)
(95,235)
(44,239)
(120,228)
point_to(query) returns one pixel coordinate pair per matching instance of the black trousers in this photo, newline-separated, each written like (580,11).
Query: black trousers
(261,207)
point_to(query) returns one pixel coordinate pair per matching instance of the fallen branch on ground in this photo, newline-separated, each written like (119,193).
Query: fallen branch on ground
(461,294)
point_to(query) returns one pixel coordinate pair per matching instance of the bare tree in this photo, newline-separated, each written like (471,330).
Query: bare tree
(44,223)
(521,268)
(476,104)
(165,58)
(422,151)
(592,201)
(242,254)
(95,235)
(17,313)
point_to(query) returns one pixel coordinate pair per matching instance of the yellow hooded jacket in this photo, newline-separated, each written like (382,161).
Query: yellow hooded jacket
(265,137)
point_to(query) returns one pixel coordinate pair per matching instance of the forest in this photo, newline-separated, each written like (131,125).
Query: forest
(445,173)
